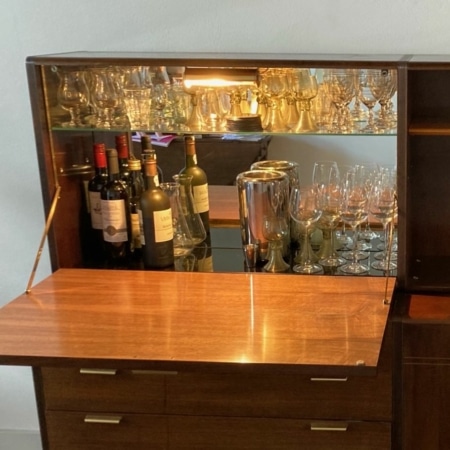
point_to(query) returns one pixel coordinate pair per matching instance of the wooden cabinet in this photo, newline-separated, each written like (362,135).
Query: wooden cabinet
(234,360)
(93,408)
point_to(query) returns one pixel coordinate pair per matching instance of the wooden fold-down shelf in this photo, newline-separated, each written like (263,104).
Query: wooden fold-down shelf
(198,321)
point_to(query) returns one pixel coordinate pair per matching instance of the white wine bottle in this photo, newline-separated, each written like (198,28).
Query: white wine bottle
(155,217)
(199,181)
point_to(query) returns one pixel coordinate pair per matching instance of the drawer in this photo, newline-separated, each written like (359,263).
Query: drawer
(285,395)
(222,433)
(103,390)
(288,396)
(77,430)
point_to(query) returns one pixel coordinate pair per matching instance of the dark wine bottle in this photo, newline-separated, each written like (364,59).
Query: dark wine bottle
(135,188)
(199,181)
(94,188)
(115,214)
(123,154)
(155,220)
(147,151)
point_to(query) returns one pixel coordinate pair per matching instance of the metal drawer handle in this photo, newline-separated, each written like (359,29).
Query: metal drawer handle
(328,426)
(98,371)
(329,379)
(112,420)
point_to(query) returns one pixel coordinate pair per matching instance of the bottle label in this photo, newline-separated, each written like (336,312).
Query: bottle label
(201,198)
(95,205)
(141,227)
(114,221)
(135,231)
(163,225)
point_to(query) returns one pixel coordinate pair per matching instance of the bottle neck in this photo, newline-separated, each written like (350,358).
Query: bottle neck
(190,151)
(113,165)
(151,174)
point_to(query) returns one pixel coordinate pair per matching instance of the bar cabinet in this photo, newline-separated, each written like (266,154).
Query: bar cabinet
(235,359)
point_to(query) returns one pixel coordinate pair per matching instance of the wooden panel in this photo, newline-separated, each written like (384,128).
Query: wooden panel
(122,391)
(426,406)
(189,320)
(187,433)
(68,431)
(223,206)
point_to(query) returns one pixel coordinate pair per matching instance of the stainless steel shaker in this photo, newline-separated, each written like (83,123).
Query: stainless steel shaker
(291,168)
(261,193)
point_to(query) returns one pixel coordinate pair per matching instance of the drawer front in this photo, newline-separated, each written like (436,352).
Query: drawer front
(76,430)
(284,396)
(205,433)
(103,390)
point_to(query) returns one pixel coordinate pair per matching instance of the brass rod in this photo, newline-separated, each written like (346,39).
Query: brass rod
(48,223)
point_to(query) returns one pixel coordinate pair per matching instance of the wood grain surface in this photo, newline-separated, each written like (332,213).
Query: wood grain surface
(173,320)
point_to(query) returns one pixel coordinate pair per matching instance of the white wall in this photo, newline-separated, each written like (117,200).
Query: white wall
(30,27)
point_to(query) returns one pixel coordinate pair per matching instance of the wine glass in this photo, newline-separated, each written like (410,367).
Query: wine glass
(341,85)
(354,209)
(275,229)
(326,181)
(305,88)
(72,94)
(369,96)
(383,207)
(304,209)
(275,84)
(104,96)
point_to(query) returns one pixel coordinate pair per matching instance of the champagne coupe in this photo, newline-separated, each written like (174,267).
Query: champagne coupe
(383,207)
(275,229)
(326,181)
(73,95)
(304,209)
(354,209)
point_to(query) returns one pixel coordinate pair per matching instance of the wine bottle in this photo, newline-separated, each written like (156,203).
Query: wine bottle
(115,214)
(94,188)
(123,155)
(155,221)
(199,181)
(147,150)
(135,188)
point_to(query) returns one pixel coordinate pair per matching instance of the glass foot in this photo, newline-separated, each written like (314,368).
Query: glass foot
(354,268)
(307,268)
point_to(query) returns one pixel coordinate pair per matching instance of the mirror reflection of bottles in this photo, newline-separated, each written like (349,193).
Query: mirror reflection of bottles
(155,220)
(115,214)
(199,181)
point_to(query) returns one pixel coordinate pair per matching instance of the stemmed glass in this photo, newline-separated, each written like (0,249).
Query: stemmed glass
(383,207)
(304,209)
(305,88)
(341,85)
(275,229)
(275,85)
(104,96)
(369,96)
(354,209)
(326,181)
(72,94)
